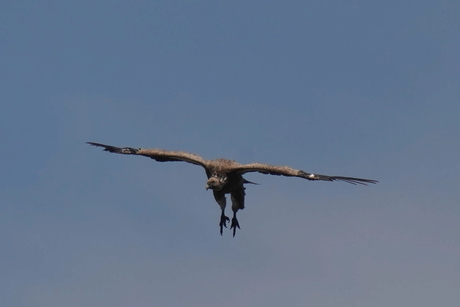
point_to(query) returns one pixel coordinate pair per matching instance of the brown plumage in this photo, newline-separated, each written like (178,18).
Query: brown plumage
(226,176)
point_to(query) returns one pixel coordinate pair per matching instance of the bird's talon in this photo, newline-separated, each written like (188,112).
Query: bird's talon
(234,225)
(223,223)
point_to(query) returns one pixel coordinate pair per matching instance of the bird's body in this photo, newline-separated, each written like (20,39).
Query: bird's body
(226,176)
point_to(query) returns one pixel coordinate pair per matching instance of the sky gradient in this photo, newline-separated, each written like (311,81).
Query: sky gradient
(354,88)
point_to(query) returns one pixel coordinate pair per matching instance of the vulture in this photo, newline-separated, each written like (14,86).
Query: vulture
(226,176)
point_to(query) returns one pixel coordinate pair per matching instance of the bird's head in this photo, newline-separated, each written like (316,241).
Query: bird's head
(216,183)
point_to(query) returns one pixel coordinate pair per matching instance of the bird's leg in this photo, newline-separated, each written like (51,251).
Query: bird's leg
(220,199)
(234,224)
(237,204)
(223,222)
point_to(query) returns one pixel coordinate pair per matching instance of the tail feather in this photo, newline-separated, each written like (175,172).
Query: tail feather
(250,182)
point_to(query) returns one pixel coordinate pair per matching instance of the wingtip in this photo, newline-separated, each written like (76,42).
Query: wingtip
(95,144)
(360,181)
(106,147)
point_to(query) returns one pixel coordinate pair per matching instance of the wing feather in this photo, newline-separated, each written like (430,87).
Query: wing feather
(291,172)
(156,154)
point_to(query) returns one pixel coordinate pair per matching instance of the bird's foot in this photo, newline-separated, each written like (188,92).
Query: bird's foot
(234,225)
(223,223)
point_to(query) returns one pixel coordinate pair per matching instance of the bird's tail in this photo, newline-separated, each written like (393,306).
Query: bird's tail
(250,182)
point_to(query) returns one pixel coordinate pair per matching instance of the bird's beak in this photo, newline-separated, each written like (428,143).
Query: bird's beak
(207,187)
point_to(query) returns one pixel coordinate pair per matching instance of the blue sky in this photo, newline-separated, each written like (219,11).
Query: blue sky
(353,88)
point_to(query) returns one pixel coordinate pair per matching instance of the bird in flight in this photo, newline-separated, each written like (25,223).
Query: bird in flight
(226,176)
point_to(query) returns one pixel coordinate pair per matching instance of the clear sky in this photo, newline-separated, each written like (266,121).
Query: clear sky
(357,88)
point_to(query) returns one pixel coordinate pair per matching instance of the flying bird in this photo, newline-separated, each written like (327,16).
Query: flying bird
(226,176)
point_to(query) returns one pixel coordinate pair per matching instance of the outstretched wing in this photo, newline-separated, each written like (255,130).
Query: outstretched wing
(290,172)
(156,154)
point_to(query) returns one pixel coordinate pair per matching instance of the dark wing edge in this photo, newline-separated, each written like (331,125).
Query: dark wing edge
(351,180)
(156,154)
(125,150)
(291,172)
